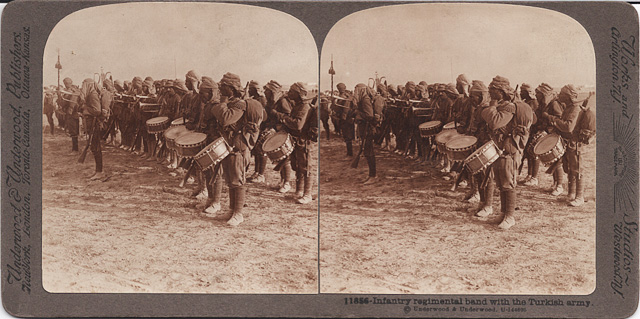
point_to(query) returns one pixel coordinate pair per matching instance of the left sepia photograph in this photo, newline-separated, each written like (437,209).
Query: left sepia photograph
(179,151)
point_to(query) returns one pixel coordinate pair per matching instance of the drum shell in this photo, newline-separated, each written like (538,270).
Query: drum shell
(190,149)
(264,135)
(548,157)
(170,141)
(534,141)
(430,131)
(279,152)
(212,154)
(459,154)
(158,126)
(178,122)
(482,158)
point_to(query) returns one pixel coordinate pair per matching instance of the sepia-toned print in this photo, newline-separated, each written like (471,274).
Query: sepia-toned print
(458,152)
(179,151)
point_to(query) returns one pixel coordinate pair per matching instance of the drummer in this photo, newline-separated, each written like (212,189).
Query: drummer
(256,93)
(509,127)
(576,131)
(547,103)
(240,122)
(347,125)
(533,163)
(276,100)
(462,112)
(479,97)
(294,124)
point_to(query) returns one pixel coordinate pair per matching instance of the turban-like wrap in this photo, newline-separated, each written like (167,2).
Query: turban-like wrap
(126,85)
(136,83)
(108,85)
(67,81)
(232,80)
(410,86)
(392,89)
(254,84)
(478,86)
(441,87)
(118,85)
(341,86)
(451,88)
(193,76)
(526,87)
(423,83)
(273,86)
(422,89)
(88,85)
(149,85)
(168,83)
(301,88)
(179,85)
(502,84)
(462,79)
(571,91)
(361,91)
(544,88)
(148,79)
(208,83)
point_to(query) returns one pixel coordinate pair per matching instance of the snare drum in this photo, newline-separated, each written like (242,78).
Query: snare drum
(442,138)
(429,129)
(263,137)
(482,158)
(157,125)
(213,154)
(460,147)
(188,145)
(549,149)
(172,133)
(278,146)
(449,126)
(179,121)
(534,140)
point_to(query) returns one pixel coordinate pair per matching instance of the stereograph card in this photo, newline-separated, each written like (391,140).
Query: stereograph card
(320,159)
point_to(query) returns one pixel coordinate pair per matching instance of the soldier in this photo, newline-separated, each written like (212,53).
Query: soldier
(49,108)
(369,107)
(210,96)
(325,115)
(240,121)
(69,102)
(533,163)
(256,93)
(576,126)
(347,124)
(547,103)
(294,124)
(479,97)
(107,96)
(276,100)
(509,124)
(95,112)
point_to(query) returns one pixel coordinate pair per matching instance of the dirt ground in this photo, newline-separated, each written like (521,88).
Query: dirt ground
(139,232)
(409,233)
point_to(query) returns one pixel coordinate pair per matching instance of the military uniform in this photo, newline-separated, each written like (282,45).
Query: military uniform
(547,103)
(369,107)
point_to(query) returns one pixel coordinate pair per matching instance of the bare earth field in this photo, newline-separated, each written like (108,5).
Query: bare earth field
(139,232)
(409,233)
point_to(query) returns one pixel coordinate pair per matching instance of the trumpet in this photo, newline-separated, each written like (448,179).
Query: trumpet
(340,101)
(69,93)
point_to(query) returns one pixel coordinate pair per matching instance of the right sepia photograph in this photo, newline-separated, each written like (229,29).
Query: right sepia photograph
(458,152)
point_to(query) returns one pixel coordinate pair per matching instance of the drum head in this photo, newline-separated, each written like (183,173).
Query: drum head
(460,142)
(430,124)
(444,136)
(274,141)
(157,120)
(546,144)
(191,138)
(179,121)
(175,131)
(450,125)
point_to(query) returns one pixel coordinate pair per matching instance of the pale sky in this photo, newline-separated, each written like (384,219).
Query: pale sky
(435,42)
(142,39)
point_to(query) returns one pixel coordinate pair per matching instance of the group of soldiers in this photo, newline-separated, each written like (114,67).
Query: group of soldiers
(497,112)
(224,109)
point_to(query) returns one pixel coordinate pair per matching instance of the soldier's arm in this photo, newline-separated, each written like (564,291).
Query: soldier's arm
(296,120)
(284,106)
(568,124)
(497,118)
(227,114)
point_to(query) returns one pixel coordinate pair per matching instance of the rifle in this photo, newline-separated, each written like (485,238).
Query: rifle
(86,148)
(356,160)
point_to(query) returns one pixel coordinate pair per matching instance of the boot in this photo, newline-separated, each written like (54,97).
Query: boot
(306,198)
(237,218)
(572,187)
(349,148)
(299,187)
(74,144)
(510,201)
(213,204)
(579,200)
(263,165)
(232,204)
